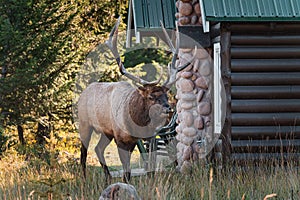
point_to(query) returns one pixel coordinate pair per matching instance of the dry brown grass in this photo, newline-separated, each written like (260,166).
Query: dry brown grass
(21,179)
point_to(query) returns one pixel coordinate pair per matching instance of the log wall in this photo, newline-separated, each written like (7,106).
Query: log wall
(262,80)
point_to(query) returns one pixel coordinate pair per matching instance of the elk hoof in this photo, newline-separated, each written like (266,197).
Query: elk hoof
(108,178)
(126,177)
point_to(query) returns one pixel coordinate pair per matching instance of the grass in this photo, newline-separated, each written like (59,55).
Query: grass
(20,179)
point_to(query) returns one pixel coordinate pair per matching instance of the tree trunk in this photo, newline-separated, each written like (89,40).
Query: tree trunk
(42,132)
(4,71)
(21,134)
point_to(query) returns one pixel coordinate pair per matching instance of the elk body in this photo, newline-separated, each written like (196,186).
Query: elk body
(122,112)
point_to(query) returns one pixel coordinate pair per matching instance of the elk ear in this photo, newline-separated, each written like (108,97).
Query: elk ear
(143,91)
(146,93)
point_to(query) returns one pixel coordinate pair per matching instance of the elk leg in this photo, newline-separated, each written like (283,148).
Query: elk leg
(102,144)
(125,151)
(83,156)
(85,137)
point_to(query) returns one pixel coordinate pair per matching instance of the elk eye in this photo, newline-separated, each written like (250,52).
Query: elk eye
(151,98)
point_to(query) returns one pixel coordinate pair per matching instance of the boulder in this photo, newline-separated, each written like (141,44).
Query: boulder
(185,8)
(205,68)
(186,75)
(204,108)
(184,20)
(198,123)
(119,191)
(187,105)
(201,82)
(197,9)
(189,132)
(188,97)
(187,140)
(194,19)
(186,85)
(188,118)
(200,95)
(201,53)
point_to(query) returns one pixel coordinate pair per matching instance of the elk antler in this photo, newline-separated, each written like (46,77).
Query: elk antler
(172,70)
(112,45)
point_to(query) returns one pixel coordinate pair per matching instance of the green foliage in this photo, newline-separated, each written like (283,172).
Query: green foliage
(110,75)
(43,45)
(145,55)
(3,140)
(6,141)
(51,182)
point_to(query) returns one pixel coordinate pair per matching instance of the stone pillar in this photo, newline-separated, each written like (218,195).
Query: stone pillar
(194,88)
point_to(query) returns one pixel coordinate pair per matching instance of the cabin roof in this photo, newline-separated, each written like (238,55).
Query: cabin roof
(148,13)
(251,10)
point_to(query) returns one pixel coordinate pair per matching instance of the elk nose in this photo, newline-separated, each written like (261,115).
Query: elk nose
(167,107)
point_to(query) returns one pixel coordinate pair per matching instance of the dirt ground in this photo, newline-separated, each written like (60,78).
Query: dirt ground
(110,154)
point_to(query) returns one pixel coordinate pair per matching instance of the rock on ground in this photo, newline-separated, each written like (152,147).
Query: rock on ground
(119,191)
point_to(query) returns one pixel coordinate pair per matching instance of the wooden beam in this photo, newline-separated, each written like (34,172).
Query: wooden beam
(129,26)
(264,28)
(265,132)
(265,105)
(265,52)
(278,78)
(265,39)
(225,73)
(266,92)
(266,119)
(265,65)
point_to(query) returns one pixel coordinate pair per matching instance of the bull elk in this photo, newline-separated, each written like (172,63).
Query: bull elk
(122,112)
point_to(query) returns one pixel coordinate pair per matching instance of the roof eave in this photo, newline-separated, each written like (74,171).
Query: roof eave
(253,19)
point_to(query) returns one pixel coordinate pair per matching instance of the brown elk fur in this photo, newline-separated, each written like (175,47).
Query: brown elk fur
(121,112)
(141,101)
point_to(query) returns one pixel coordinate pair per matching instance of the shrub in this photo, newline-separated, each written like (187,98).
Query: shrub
(3,140)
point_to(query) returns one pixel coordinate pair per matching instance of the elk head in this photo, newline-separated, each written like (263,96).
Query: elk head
(150,92)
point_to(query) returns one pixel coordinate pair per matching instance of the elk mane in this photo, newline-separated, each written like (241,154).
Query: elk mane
(139,109)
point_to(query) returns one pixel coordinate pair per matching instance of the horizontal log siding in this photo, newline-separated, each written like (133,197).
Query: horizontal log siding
(265,105)
(265,90)
(265,132)
(265,65)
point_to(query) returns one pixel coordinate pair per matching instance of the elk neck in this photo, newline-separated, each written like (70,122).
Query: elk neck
(139,109)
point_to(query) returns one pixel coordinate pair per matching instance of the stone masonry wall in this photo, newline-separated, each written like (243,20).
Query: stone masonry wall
(194,85)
